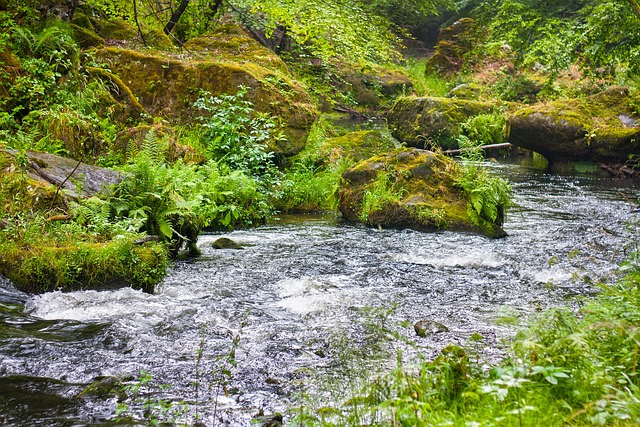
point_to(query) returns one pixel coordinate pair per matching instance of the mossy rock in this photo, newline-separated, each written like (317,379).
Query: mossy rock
(409,188)
(230,42)
(225,243)
(76,179)
(86,38)
(114,29)
(81,20)
(429,121)
(599,128)
(157,39)
(356,146)
(167,87)
(38,267)
(454,43)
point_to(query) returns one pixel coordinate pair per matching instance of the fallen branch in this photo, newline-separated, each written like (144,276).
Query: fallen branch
(146,239)
(482,147)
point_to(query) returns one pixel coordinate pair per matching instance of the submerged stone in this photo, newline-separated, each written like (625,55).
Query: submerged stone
(411,188)
(428,327)
(225,243)
(599,128)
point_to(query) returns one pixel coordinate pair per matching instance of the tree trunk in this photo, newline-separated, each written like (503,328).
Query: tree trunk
(636,7)
(176,16)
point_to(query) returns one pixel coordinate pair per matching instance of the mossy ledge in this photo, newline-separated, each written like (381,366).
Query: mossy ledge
(410,188)
(599,128)
(42,250)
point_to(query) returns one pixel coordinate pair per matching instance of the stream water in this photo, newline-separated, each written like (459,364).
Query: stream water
(307,299)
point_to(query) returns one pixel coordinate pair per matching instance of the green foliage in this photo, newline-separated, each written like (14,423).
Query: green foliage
(307,187)
(485,129)
(238,137)
(383,192)
(602,36)
(489,197)
(425,84)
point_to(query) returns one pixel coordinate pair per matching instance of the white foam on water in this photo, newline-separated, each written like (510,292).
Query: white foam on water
(473,260)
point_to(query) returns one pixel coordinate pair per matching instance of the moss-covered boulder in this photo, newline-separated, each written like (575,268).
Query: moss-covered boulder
(411,188)
(168,87)
(454,42)
(111,29)
(86,38)
(424,122)
(40,250)
(599,128)
(230,42)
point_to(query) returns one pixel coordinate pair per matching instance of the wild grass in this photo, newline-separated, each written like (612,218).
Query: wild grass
(425,84)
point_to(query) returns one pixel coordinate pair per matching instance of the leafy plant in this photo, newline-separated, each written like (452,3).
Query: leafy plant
(239,137)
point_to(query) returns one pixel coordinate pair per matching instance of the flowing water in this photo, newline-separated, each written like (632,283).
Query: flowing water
(302,307)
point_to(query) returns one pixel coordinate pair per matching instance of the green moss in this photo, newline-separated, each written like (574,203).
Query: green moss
(168,88)
(428,122)
(229,42)
(601,128)
(86,38)
(82,265)
(81,20)
(157,39)
(116,30)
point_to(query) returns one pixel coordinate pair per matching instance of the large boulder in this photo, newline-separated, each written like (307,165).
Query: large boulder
(424,122)
(454,42)
(599,128)
(168,87)
(411,188)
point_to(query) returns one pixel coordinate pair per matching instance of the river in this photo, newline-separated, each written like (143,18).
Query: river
(307,308)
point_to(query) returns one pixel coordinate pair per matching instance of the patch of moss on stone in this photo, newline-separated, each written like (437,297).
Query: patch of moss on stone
(86,38)
(429,122)
(81,20)
(113,29)
(356,146)
(168,88)
(46,266)
(454,42)
(157,39)
(229,42)
(422,193)
(600,128)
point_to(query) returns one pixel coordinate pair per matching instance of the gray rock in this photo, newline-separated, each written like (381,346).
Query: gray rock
(429,327)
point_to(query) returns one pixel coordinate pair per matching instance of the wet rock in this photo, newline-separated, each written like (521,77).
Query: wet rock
(429,327)
(225,243)
(76,179)
(425,121)
(410,188)
(600,128)
(104,388)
